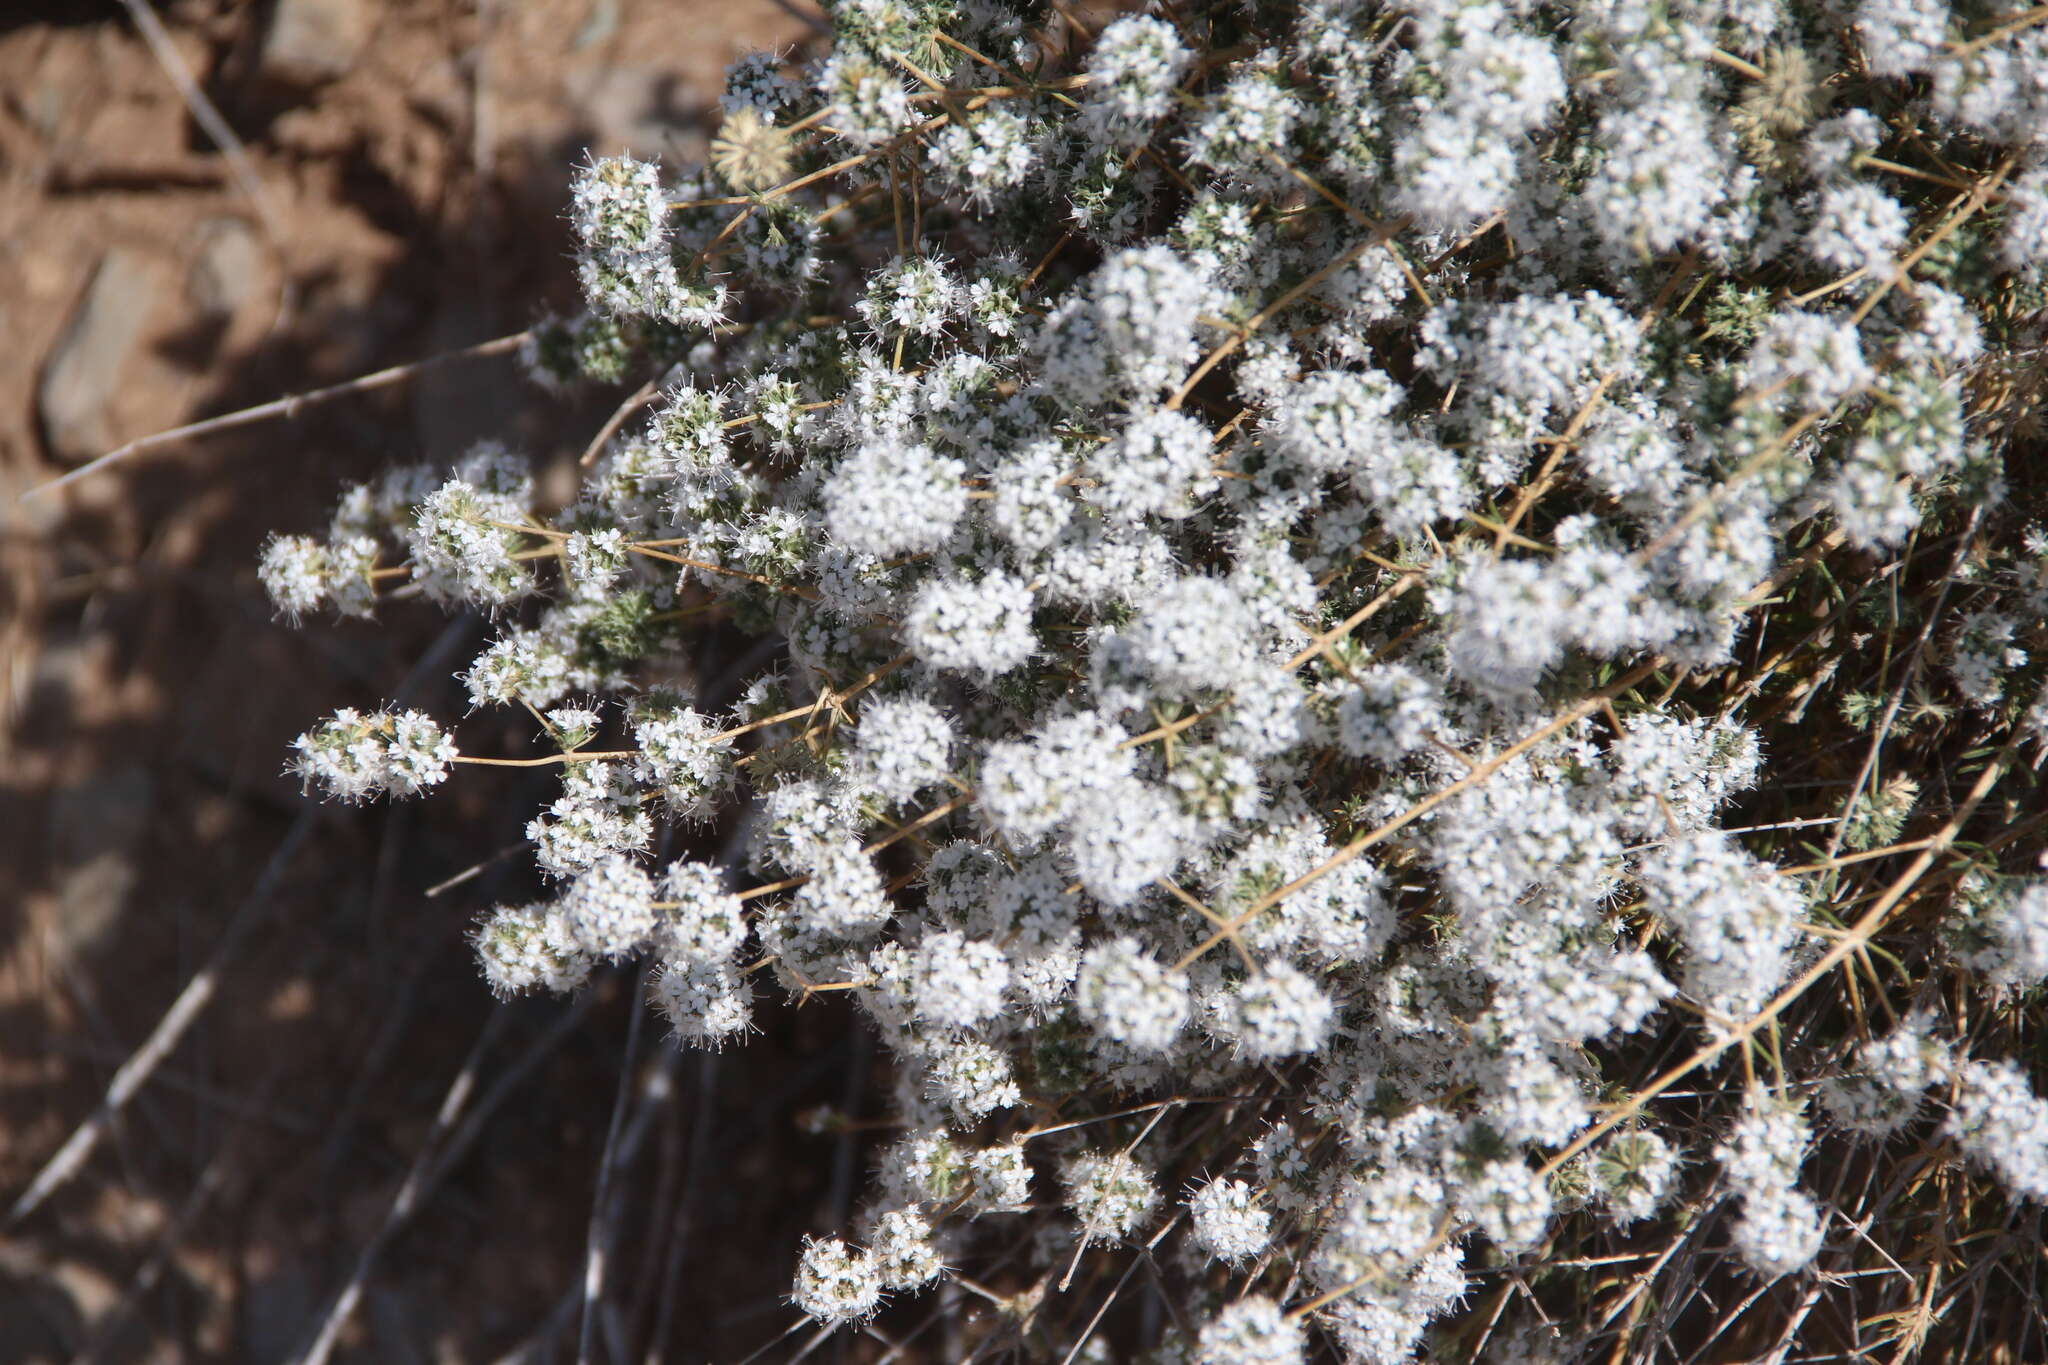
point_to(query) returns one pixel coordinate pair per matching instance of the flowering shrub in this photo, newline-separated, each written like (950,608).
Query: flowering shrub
(1395,648)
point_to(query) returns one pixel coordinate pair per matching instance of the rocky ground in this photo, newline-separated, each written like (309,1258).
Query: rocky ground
(395,194)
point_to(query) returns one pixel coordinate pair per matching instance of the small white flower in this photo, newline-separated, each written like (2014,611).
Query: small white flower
(1128,995)
(978,627)
(356,756)
(836,1283)
(1229,1223)
(1281,1012)
(1252,1331)
(610,908)
(1110,1194)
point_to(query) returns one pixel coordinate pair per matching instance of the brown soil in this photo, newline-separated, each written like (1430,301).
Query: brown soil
(147,698)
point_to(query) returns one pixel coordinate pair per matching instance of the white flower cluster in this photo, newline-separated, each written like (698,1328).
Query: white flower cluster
(1736,919)
(628,264)
(353,756)
(837,1283)
(1633,1175)
(1228,1223)
(525,947)
(2002,1123)
(1252,1331)
(1884,1089)
(1780,1227)
(1110,1192)
(1268,581)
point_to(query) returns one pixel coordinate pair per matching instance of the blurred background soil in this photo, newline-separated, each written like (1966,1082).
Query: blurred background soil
(410,162)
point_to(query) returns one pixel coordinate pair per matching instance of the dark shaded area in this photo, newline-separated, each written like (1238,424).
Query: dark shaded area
(20,14)
(141,799)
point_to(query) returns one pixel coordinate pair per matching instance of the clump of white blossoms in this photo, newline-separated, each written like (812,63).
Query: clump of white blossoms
(1780,1227)
(1109,1192)
(1415,620)
(838,1283)
(353,757)
(1227,1222)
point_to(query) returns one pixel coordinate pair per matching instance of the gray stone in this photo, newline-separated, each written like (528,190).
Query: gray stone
(636,110)
(313,41)
(85,365)
(225,268)
(96,833)
(23,516)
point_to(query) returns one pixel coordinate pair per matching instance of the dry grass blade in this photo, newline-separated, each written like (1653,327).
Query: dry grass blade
(279,407)
(192,1001)
(1906,680)
(597,1244)
(412,1192)
(206,116)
